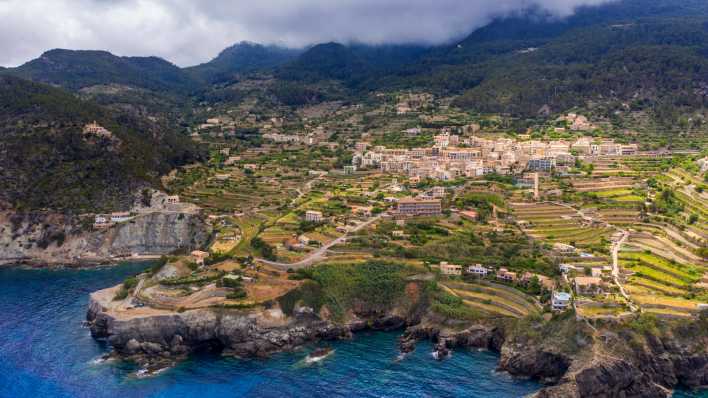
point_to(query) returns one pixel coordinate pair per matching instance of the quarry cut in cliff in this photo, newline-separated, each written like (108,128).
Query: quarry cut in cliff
(44,238)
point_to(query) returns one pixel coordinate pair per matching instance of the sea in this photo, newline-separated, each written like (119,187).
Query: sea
(46,351)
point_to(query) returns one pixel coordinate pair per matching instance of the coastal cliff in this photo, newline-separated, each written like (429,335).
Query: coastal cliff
(155,338)
(56,239)
(163,315)
(575,360)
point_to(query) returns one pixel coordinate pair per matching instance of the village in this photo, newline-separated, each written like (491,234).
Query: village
(285,192)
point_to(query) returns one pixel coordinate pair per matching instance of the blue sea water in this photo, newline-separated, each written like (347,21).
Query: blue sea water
(45,352)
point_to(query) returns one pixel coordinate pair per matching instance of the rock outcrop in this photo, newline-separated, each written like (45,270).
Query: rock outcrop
(155,338)
(624,365)
(48,239)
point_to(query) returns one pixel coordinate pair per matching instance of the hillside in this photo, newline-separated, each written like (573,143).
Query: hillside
(75,70)
(241,58)
(630,55)
(624,61)
(47,162)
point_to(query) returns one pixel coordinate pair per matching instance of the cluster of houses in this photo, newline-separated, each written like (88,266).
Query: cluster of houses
(502,274)
(590,285)
(453,156)
(108,220)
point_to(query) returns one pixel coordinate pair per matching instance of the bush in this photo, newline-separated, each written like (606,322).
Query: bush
(232,283)
(122,294)
(130,283)
(237,294)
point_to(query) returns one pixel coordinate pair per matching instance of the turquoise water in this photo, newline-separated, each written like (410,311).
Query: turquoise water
(45,352)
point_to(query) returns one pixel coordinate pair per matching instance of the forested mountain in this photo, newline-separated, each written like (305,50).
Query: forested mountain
(651,54)
(241,58)
(352,64)
(46,161)
(78,69)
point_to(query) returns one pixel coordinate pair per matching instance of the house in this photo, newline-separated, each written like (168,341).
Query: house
(478,270)
(588,285)
(101,221)
(541,164)
(438,192)
(349,170)
(120,217)
(470,215)
(560,301)
(450,269)
(562,248)
(565,268)
(505,275)
(172,200)
(313,216)
(361,146)
(304,239)
(364,211)
(96,129)
(419,207)
(199,256)
(398,234)
(546,282)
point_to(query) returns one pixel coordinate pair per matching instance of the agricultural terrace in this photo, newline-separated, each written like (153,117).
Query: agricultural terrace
(233,189)
(662,285)
(558,224)
(492,299)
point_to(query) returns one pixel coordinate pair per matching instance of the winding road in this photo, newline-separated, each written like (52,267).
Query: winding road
(319,254)
(616,246)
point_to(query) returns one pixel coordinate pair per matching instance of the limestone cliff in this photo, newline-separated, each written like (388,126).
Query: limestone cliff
(49,239)
(155,338)
(574,360)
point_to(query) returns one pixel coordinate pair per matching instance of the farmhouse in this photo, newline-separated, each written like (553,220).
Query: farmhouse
(505,275)
(478,270)
(450,269)
(199,256)
(560,301)
(588,285)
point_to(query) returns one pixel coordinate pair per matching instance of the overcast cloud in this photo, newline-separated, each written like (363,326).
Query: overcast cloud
(188,32)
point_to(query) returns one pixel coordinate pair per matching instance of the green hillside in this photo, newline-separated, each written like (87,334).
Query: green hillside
(47,162)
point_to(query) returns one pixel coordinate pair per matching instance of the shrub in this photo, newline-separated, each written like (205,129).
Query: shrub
(237,294)
(130,283)
(122,294)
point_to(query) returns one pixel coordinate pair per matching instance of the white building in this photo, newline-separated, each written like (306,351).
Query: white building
(560,301)
(478,270)
(313,216)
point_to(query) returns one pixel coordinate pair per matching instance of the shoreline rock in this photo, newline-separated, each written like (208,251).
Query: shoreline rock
(566,356)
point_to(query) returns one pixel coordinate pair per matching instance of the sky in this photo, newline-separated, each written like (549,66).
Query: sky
(188,32)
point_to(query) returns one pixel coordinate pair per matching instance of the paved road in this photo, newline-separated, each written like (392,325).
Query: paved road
(616,246)
(319,254)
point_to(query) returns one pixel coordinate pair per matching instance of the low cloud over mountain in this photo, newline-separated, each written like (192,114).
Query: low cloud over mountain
(188,32)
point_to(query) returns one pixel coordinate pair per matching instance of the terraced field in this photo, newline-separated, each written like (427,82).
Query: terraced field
(556,223)
(494,299)
(662,286)
(603,184)
(619,216)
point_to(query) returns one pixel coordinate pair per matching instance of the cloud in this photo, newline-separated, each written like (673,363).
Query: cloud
(188,32)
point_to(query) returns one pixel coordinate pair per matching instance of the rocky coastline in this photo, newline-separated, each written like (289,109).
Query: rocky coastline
(616,363)
(607,362)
